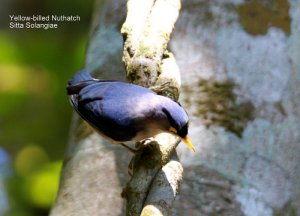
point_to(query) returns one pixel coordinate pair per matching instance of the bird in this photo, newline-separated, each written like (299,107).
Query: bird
(124,112)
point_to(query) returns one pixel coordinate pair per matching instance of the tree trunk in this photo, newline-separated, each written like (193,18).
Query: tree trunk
(240,72)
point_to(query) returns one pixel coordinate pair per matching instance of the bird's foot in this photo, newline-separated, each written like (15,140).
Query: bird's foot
(143,143)
(131,166)
(132,150)
(137,153)
(139,145)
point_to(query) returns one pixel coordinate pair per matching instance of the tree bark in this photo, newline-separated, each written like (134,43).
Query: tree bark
(240,73)
(95,171)
(156,178)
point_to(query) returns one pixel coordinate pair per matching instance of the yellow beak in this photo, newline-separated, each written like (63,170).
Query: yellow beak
(189,144)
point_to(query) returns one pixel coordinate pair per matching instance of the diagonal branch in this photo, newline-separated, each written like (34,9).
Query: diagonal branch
(146,32)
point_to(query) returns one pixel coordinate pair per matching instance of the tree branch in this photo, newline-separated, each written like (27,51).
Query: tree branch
(165,186)
(146,32)
(153,160)
(94,170)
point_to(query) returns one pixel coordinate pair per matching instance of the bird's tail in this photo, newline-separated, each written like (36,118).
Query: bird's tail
(79,81)
(79,77)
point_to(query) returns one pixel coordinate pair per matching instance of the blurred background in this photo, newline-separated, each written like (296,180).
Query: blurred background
(35,65)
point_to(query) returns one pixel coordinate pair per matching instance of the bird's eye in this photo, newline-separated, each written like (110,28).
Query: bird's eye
(173,130)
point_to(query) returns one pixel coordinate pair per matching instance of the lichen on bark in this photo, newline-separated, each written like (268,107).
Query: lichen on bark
(258,16)
(217,104)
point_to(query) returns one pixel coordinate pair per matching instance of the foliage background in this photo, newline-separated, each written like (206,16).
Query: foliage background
(35,65)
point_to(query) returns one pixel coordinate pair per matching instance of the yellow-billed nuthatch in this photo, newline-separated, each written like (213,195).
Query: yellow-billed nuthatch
(122,112)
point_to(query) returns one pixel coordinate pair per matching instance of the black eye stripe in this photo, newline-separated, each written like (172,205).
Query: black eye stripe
(184,130)
(171,120)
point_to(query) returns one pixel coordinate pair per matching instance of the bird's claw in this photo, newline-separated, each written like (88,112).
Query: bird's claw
(130,167)
(132,150)
(139,145)
(138,151)
(145,142)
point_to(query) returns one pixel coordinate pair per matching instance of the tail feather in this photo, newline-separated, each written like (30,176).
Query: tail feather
(79,77)
(80,80)
(76,88)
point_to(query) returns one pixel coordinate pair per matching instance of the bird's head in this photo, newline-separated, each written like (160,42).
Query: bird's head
(179,123)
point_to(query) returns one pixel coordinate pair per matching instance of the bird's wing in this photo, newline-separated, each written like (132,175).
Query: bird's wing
(111,107)
(114,89)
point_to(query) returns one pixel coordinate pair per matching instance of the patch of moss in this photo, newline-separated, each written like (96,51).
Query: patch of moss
(203,10)
(279,106)
(144,51)
(288,210)
(217,105)
(257,16)
(131,72)
(83,129)
(188,91)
